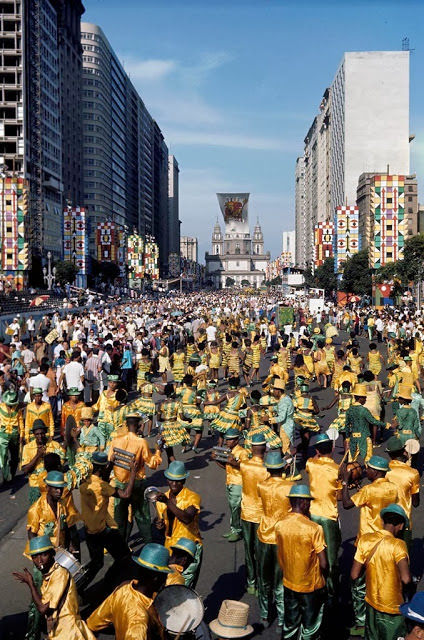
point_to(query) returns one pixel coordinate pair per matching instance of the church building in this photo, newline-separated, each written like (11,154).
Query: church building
(237,258)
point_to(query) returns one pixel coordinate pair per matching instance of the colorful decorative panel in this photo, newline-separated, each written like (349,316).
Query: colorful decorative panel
(390,225)
(346,236)
(107,240)
(135,252)
(75,240)
(151,258)
(323,237)
(15,256)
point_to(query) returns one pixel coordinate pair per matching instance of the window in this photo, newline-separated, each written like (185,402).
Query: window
(410,198)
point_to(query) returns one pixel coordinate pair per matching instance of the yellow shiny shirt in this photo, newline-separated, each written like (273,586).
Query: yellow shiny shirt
(233,474)
(38,412)
(252,472)
(383,583)
(175,577)
(299,541)
(407,481)
(273,493)
(11,420)
(132,443)
(69,623)
(129,611)
(323,475)
(72,514)
(185,499)
(28,453)
(372,499)
(95,494)
(41,520)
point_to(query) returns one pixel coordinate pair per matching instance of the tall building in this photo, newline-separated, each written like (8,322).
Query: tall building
(289,247)
(237,257)
(173,206)
(125,157)
(362,126)
(189,248)
(388,215)
(301,233)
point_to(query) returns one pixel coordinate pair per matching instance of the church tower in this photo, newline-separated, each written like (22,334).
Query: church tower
(217,240)
(258,240)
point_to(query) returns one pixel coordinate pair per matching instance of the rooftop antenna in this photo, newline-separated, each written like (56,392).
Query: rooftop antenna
(405,45)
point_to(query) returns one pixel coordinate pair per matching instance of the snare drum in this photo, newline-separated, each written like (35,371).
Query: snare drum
(69,562)
(179,608)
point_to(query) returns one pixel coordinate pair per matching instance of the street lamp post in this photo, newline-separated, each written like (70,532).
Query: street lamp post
(48,272)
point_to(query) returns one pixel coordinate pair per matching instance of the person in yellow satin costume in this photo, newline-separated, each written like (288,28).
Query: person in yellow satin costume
(57,600)
(129,608)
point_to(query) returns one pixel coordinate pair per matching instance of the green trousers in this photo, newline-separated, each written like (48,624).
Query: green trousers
(250,539)
(191,574)
(140,511)
(358,600)
(333,540)
(383,626)
(270,581)
(234,502)
(9,454)
(303,612)
(35,619)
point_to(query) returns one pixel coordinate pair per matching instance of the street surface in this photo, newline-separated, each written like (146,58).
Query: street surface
(222,572)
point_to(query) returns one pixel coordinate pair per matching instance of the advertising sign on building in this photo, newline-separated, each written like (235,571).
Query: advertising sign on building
(234,206)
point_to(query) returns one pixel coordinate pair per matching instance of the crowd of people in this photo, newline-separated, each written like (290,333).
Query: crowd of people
(134,387)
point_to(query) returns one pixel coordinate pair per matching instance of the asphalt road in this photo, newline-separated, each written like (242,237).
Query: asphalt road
(222,573)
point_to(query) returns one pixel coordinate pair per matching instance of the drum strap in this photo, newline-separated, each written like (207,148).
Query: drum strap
(53,619)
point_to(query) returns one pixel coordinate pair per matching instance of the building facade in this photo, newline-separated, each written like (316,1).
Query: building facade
(301,235)
(388,215)
(362,126)
(173,206)
(237,257)
(189,248)
(288,248)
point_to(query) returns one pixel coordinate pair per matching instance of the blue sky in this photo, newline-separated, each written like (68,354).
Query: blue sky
(235,85)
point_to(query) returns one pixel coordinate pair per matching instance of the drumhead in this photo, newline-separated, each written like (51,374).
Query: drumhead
(179,608)
(333,434)
(151,494)
(412,446)
(67,561)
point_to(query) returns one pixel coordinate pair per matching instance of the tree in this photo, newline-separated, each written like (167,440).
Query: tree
(245,283)
(357,274)
(324,276)
(229,282)
(66,272)
(411,267)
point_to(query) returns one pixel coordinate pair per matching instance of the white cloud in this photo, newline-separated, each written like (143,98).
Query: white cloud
(233,140)
(142,70)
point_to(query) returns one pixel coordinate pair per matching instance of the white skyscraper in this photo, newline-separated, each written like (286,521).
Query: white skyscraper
(362,127)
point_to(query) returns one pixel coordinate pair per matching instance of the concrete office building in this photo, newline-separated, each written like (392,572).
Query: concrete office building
(125,157)
(173,206)
(189,248)
(301,233)
(362,126)
(288,249)
(40,116)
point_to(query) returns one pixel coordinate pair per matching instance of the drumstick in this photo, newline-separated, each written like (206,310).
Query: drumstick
(181,631)
(344,458)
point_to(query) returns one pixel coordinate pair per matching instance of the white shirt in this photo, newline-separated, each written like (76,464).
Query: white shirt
(211,333)
(42,382)
(73,372)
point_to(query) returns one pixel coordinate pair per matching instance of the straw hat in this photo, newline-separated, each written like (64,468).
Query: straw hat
(279,384)
(404,391)
(360,390)
(232,620)
(87,413)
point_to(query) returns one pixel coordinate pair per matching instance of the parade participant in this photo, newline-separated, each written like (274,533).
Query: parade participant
(303,561)
(344,399)
(100,529)
(189,400)
(11,430)
(233,481)
(383,559)
(259,420)
(374,359)
(33,457)
(144,366)
(406,375)
(214,360)
(406,422)
(406,479)
(164,364)
(330,356)
(211,411)
(370,499)
(257,350)
(178,363)
(178,511)
(173,426)
(48,515)
(38,410)
(72,407)
(393,385)
(305,408)
(183,553)
(324,484)
(283,412)
(229,417)
(131,443)
(145,404)
(106,404)
(234,360)
(231,621)
(247,361)
(321,368)
(90,437)
(57,600)
(413,612)
(252,471)
(358,423)
(129,608)
(374,395)
(273,493)
(275,371)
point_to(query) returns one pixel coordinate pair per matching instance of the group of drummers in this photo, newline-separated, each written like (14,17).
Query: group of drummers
(265,436)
